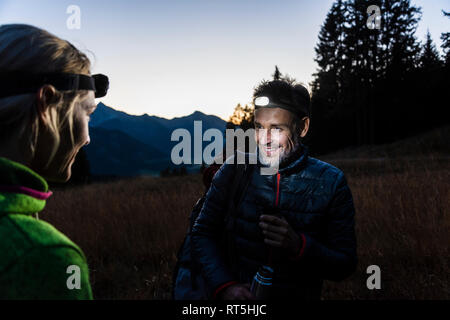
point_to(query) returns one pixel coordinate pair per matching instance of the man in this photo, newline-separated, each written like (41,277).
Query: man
(299,221)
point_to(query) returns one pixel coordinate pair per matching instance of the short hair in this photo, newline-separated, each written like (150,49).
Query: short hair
(289,89)
(30,49)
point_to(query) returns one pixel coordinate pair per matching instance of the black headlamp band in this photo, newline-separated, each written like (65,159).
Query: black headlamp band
(283,105)
(15,82)
(277,105)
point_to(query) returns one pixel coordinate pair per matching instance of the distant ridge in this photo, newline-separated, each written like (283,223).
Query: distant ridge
(127,145)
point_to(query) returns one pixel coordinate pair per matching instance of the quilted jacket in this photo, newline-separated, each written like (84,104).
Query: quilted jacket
(313,196)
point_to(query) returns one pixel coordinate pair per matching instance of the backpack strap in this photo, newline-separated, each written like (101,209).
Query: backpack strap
(239,187)
(195,211)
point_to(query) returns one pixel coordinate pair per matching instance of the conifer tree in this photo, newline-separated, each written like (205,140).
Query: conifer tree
(445,37)
(429,58)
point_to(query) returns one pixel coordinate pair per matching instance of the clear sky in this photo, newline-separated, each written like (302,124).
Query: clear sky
(172,57)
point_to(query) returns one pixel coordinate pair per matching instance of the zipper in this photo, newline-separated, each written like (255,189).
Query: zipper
(277,196)
(277,200)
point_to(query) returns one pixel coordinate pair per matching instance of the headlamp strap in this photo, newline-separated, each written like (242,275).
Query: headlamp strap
(16,82)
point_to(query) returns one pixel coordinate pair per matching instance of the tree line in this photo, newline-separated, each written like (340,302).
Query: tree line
(375,86)
(372,86)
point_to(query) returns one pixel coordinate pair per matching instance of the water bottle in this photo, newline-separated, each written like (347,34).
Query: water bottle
(262,282)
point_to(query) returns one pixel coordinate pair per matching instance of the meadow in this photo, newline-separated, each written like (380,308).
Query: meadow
(130,230)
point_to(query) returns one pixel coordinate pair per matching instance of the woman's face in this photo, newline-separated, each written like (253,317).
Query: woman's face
(60,167)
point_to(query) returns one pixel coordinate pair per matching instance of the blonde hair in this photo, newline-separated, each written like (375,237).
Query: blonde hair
(30,49)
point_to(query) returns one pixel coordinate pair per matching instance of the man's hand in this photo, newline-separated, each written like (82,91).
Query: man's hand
(237,292)
(278,233)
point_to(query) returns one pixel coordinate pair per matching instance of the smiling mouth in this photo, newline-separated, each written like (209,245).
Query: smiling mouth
(270,150)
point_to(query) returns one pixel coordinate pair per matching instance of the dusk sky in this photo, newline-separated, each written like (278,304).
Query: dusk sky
(170,58)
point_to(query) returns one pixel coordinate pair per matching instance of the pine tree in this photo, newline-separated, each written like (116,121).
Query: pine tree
(445,37)
(276,75)
(429,59)
(400,47)
(356,66)
(363,71)
(330,55)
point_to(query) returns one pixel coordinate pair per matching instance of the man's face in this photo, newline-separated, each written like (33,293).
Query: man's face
(276,144)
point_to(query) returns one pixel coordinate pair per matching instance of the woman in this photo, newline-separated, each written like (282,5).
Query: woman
(46,98)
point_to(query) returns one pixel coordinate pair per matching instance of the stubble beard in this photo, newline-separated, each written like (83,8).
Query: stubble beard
(282,156)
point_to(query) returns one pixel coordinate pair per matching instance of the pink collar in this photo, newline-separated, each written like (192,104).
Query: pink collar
(28,191)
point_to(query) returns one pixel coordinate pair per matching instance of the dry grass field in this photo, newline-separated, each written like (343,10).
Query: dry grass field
(131,229)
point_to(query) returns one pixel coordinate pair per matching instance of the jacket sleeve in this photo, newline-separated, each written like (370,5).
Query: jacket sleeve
(336,257)
(42,274)
(208,229)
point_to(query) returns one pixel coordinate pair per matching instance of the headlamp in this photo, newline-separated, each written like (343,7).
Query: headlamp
(17,82)
(267,102)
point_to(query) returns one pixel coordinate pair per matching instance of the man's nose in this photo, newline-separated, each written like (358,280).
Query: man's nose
(265,137)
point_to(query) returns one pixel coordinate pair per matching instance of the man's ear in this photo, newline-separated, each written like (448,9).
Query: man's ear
(305,127)
(44,96)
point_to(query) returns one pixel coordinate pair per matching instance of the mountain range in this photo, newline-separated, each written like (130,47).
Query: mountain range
(128,145)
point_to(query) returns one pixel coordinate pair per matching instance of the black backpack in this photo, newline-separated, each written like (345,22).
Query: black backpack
(187,281)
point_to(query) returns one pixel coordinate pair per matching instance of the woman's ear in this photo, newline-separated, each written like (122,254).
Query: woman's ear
(44,96)
(305,127)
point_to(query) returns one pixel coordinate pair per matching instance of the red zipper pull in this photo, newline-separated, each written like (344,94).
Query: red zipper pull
(278,190)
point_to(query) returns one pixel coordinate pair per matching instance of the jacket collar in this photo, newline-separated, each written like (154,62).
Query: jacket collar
(296,161)
(21,189)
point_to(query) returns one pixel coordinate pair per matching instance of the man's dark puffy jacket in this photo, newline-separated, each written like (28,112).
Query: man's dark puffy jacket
(312,196)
